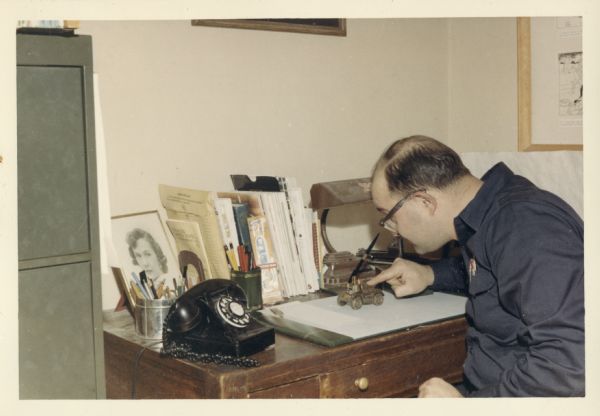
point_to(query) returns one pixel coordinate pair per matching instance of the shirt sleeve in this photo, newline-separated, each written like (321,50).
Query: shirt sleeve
(449,275)
(536,254)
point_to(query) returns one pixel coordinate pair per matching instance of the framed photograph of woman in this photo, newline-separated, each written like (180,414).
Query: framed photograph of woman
(144,253)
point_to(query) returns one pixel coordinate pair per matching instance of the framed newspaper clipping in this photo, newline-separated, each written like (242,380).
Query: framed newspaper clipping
(550,83)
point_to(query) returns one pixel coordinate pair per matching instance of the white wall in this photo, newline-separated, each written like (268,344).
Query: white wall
(188,106)
(482,84)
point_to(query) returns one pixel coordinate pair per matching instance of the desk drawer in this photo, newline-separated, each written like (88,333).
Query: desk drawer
(396,375)
(302,389)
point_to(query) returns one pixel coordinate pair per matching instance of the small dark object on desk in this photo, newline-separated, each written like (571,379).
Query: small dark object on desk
(359,293)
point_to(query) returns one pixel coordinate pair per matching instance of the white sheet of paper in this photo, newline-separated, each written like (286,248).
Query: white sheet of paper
(370,320)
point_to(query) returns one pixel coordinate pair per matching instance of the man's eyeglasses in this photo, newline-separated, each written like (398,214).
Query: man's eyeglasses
(396,207)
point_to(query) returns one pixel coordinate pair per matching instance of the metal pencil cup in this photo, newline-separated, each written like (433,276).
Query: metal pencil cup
(251,284)
(150,315)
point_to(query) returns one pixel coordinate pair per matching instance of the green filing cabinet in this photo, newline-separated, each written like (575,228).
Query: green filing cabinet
(61,352)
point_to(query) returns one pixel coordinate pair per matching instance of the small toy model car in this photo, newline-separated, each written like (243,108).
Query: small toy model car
(359,293)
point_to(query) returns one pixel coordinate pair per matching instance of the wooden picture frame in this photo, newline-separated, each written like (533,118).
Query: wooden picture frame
(524,95)
(333,27)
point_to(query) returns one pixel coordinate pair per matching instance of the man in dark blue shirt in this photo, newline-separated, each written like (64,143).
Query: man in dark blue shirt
(521,268)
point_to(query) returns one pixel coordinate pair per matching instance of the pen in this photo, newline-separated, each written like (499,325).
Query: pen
(233,257)
(251,264)
(139,283)
(175,287)
(247,258)
(363,258)
(151,284)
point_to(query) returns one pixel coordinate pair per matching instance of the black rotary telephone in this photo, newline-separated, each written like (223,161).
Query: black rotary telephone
(210,323)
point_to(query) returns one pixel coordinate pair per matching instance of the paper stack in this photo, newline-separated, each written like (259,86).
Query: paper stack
(275,228)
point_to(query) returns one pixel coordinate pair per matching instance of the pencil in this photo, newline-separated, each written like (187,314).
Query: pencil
(228,257)
(160,290)
(136,290)
(243,260)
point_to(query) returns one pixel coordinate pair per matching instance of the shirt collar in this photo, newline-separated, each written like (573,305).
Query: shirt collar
(469,220)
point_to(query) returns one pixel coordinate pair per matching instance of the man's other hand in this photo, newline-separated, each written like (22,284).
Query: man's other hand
(437,387)
(405,277)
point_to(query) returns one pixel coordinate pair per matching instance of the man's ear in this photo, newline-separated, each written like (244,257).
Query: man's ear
(428,201)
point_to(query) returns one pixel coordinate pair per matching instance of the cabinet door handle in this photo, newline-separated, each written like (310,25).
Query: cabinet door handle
(362,383)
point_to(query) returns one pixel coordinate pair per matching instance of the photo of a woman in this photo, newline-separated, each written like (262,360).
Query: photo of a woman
(144,253)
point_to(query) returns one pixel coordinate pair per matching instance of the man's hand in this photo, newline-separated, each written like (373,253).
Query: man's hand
(405,277)
(436,387)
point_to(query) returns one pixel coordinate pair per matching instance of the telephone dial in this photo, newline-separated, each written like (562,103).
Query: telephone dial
(211,318)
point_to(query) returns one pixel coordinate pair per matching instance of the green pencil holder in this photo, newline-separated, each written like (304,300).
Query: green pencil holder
(251,284)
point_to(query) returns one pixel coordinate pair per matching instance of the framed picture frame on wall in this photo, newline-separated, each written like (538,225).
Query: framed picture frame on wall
(550,84)
(334,27)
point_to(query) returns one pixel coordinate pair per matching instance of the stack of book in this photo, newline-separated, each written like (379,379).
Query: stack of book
(241,230)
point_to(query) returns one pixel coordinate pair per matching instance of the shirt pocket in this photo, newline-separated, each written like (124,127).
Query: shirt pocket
(481,281)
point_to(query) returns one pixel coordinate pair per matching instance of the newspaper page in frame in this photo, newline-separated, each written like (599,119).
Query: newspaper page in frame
(556,80)
(194,205)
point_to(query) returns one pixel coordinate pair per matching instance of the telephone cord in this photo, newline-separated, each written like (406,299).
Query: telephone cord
(136,364)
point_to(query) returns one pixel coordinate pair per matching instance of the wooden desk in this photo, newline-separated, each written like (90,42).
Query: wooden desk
(394,365)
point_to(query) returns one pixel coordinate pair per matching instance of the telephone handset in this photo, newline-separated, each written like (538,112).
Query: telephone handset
(211,318)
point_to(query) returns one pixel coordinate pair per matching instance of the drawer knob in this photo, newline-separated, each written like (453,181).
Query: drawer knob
(362,383)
